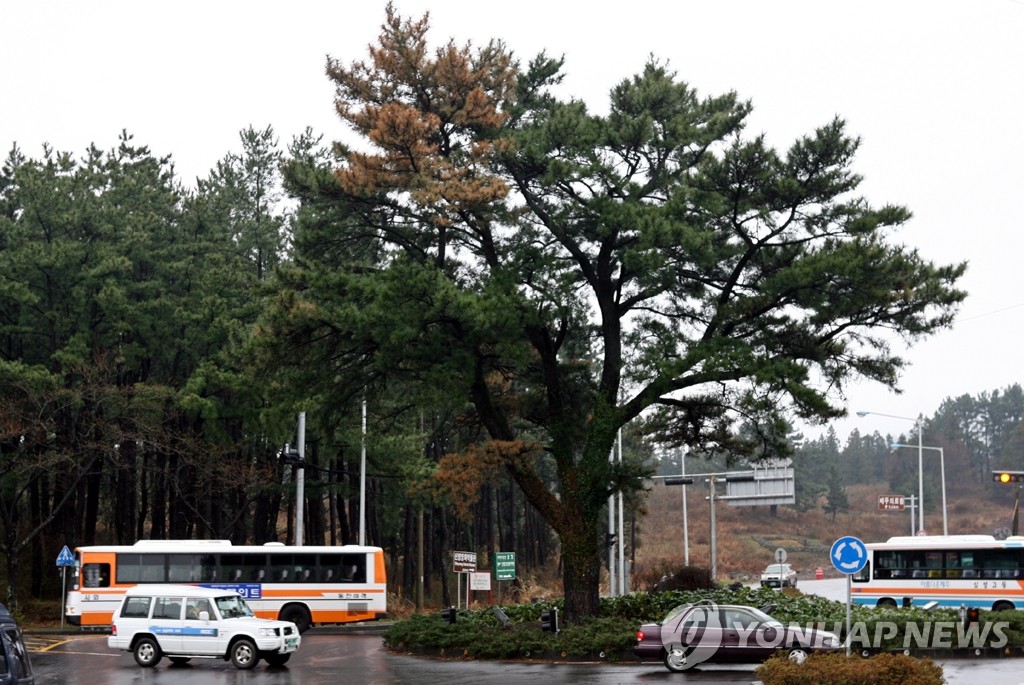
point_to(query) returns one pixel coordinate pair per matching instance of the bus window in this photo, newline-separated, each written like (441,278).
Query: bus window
(1000,563)
(207,571)
(180,568)
(330,568)
(353,568)
(967,562)
(140,568)
(244,568)
(96,575)
(953,569)
(891,564)
(292,568)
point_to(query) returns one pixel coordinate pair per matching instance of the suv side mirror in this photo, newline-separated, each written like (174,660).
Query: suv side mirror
(204,615)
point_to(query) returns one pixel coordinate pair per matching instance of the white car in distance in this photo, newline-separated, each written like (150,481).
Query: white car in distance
(778,575)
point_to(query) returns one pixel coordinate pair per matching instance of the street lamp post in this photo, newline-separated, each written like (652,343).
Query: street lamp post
(942,470)
(920,460)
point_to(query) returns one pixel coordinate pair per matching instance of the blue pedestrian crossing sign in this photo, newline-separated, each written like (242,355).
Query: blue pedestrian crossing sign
(848,554)
(65,558)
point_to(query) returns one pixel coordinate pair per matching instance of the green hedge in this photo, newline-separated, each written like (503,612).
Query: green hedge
(479,634)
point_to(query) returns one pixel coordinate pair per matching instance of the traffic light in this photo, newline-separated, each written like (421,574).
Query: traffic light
(678,480)
(609,539)
(549,620)
(448,615)
(971,616)
(1008,476)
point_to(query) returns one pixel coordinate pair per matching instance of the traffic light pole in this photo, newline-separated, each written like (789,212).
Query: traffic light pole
(711,479)
(714,530)
(1012,477)
(1016,513)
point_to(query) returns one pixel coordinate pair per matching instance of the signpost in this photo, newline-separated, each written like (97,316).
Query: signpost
(504,565)
(504,568)
(479,581)
(64,560)
(848,555)
(899,503)
(891,503)
(463,562)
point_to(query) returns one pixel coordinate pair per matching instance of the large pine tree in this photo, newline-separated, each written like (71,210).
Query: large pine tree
(564,272)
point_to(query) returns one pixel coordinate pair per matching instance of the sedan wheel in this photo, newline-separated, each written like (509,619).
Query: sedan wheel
(675,658)
(798,656)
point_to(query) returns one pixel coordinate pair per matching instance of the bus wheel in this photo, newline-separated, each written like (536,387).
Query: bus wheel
(1002,606)
(886,603)
(297,614)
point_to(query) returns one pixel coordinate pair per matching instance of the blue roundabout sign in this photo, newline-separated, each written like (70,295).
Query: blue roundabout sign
(848,554)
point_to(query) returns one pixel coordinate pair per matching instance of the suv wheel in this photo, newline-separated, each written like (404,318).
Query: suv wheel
(244,654)
(147,652)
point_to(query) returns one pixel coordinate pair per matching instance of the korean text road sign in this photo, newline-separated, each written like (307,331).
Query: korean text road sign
(504,565)
(465,562)
(891,503)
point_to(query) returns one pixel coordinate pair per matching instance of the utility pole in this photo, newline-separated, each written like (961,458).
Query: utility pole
(300,483)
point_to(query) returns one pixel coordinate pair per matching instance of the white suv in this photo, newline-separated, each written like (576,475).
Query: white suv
(779,575)
(184,621)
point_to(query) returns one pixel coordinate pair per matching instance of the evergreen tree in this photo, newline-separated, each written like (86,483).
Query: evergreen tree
(835,497)
(540,260)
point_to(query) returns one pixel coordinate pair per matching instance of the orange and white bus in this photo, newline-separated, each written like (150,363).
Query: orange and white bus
(304,585)
(947,570)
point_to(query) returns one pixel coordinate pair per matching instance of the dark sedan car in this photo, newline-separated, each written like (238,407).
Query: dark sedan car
(692,634)
(15,668)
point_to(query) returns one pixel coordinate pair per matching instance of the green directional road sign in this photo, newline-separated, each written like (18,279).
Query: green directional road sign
(504,565)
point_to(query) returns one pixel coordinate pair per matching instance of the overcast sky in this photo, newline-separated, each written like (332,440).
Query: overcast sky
(933,87)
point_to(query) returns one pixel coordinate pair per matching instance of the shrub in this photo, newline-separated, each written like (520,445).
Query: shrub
(838,669)
(670,575)
(607,636)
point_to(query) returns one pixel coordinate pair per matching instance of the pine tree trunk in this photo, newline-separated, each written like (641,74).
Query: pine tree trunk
(581,569)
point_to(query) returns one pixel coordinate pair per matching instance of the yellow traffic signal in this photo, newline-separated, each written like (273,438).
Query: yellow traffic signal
(1008,476)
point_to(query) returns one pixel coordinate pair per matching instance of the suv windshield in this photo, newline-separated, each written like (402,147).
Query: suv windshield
(233,607)
(776,569)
